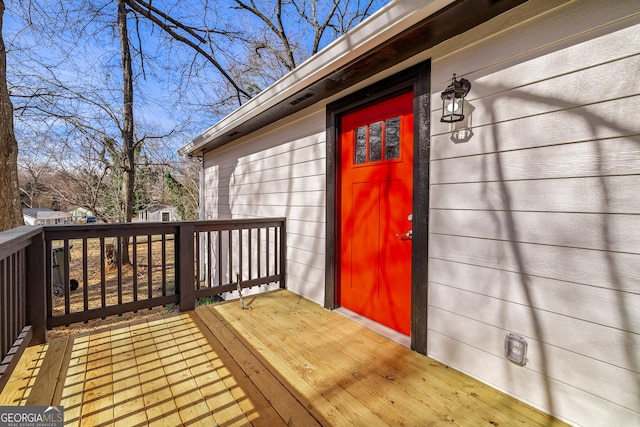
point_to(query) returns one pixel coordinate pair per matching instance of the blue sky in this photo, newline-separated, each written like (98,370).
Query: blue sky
(93,63)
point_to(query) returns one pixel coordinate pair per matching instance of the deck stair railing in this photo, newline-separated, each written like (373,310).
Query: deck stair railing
(59,275)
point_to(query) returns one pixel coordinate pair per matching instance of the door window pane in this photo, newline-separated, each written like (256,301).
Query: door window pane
(361,145)
(375,141)
(392,138)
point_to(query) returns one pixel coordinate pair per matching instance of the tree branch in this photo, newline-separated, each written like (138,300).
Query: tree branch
(148,12)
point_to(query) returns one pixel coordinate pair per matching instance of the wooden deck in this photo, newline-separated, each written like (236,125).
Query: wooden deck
(286,361)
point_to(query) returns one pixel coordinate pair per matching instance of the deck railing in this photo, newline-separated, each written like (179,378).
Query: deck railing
(18,249)
(58,275)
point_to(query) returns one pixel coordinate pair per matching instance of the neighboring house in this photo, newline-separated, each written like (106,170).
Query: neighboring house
(45,216)
(159,213)
(525,216)
(80,215)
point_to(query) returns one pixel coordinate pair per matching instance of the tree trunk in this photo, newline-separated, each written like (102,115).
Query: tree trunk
(128,144)
(10,206)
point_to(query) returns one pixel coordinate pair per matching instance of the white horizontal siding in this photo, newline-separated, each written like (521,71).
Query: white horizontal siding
(571,230)
(560,398)
(535,219)
(294,184)
(301,150)
(281,168)
(280,199)
(602,344)
(540,293)
(280,173)
(620,156)
(306,228)
(612,194)
(611,270)
(301,285)
(614,80)
(315,245)
(577,370)
(603,121)
(522,48)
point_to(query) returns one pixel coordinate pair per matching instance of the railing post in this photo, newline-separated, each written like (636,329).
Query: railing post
(283,255)
(36,299)
(185,260)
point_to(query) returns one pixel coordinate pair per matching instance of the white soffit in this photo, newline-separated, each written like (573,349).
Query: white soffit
(386,23)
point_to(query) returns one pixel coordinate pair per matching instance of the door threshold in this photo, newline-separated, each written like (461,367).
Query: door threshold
(402,339)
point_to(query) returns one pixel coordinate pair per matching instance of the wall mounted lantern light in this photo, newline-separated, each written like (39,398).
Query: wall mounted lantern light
(453,100)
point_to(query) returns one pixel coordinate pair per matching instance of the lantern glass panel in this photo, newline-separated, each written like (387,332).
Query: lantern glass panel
(453,100)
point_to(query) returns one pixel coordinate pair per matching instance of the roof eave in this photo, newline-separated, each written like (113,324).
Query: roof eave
(396,32)
(389,21)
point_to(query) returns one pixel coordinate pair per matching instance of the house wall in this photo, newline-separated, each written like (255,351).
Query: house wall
(534,216)
(28,220)
(280,173)
(534,224)
(154,214)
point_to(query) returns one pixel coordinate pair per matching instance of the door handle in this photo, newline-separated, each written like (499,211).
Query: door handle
(405,236)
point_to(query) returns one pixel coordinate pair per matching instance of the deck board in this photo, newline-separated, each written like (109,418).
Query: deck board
(286,361)
(408,371)
(158,400)
(317,390)
(255,407)
(73,385)
(270,386)
(45,383)
(127,399)
(17,387)
(191,405)
(98,392)
(355,372)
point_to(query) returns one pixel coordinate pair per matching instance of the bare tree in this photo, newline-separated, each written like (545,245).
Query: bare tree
(335,16)
(129,145)
(32,179)
(10,207)
(272,37)
(182,183)
(80,93)
(198,39)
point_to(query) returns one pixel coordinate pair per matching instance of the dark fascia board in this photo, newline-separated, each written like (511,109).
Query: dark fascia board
(455,19)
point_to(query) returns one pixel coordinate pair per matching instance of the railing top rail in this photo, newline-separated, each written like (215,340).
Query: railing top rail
(70,231)
(17,238)
(120,229)
(232,224)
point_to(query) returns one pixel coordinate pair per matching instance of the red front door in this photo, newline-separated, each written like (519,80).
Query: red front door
(376,145)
